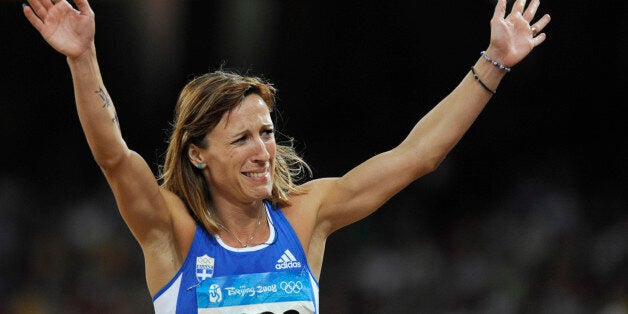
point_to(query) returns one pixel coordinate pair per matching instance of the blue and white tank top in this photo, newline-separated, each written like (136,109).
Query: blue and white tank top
(270,278)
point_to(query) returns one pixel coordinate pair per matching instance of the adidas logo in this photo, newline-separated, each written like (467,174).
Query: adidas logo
(287,260)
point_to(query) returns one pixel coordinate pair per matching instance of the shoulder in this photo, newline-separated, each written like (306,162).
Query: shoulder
(311,196)
(181,218)
(167,249)
(177,234)
(302,213)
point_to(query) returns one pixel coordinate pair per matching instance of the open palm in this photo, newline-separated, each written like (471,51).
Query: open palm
(514,36)
(69,31)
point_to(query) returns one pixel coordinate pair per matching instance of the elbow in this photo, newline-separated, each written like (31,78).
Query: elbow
(110,155)
(111,162)
(430,165)
(420,159)
(427,161)
(436,163)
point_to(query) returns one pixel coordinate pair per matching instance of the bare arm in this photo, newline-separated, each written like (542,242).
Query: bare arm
(71,32)
(365,188)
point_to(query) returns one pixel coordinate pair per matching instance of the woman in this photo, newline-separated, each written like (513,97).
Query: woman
(228,230)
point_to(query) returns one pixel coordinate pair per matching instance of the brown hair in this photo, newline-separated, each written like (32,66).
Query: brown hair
(201,105)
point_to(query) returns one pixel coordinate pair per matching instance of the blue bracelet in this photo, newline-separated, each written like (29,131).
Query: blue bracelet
(495,63)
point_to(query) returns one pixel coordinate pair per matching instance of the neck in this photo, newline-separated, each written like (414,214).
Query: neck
(237,215)
(242,225)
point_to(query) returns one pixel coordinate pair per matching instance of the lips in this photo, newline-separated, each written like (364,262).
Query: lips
(256,174)
(259,173)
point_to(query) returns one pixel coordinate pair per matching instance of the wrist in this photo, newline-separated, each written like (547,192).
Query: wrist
(86,57)
(84,65)
(494,62)
(498,56)
(487,74)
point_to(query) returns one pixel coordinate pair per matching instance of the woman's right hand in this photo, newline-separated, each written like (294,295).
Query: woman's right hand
(69,31)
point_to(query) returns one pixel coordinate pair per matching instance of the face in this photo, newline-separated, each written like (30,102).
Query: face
(240,155)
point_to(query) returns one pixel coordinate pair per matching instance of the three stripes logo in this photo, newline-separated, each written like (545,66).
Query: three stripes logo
(287,260)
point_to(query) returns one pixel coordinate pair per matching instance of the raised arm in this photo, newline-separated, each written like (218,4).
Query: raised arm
(71,32)
(365,188)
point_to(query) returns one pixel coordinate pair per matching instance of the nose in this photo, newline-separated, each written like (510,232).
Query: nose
(262,155)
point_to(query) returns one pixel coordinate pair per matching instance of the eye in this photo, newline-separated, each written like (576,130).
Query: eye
(268,133)
(240,140)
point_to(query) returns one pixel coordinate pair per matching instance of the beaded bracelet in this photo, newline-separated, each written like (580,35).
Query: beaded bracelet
(477,78)
(495,63)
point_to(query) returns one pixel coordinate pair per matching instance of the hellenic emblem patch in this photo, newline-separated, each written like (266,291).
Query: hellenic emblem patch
(204,267)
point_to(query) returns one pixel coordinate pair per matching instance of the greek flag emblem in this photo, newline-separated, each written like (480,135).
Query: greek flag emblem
(204,267)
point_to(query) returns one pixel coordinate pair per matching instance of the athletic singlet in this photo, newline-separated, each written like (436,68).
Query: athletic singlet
(270,278)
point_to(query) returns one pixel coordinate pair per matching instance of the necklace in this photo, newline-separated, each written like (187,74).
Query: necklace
(244,244)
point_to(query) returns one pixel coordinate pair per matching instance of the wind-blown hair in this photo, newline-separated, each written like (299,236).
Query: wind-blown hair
(201,104)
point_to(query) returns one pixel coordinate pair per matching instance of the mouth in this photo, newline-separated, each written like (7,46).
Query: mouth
(262,172)
(256,174)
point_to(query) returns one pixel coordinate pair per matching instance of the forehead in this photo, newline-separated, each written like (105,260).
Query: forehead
(252,112)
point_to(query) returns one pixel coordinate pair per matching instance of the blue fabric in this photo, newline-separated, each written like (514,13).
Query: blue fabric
(273,277)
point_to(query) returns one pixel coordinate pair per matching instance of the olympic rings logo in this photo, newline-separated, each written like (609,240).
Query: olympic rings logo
(291,286)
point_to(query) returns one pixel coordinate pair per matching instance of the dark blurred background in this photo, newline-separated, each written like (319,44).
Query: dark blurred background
(528,214)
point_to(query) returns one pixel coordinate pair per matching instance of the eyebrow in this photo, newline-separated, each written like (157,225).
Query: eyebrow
(239,134)
(266,125)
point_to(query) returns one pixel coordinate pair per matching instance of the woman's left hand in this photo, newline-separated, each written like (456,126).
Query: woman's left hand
(513,36)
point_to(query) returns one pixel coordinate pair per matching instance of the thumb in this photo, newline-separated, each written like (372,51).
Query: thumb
(82,6)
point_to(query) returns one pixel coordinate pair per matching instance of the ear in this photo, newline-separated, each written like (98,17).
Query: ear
(194,155)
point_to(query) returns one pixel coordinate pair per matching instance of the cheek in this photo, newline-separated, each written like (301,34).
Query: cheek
(272,151)
(273,167)
(219,162)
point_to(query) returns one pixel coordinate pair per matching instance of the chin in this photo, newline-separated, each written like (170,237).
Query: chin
(261,195)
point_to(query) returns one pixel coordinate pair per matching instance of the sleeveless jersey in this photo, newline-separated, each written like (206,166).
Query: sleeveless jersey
(270,278)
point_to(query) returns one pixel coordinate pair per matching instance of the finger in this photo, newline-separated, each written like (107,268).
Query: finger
(538,39)
(32,18)
(500,9)
(82,5)
(48,4)
(39,9)
(528,15)
(540,24)
(519,6)
(63,3)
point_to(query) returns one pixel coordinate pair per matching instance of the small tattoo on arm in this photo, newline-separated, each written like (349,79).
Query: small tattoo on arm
(115,118)
(105,99)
